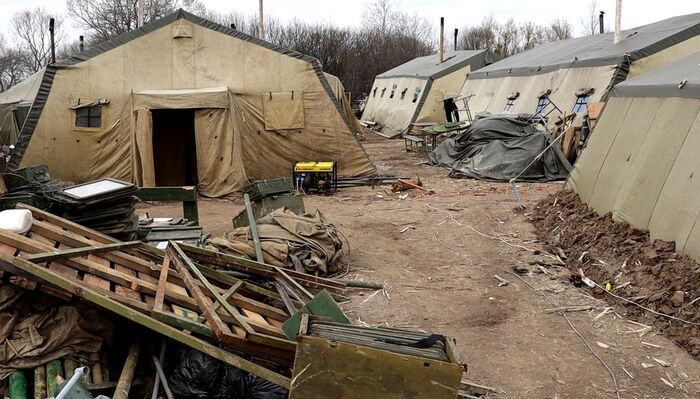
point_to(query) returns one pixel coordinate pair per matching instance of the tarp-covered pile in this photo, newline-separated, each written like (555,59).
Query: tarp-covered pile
(307,243)
(36,328)
(499,147)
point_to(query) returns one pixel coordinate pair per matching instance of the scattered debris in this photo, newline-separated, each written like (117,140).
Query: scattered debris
(501,281)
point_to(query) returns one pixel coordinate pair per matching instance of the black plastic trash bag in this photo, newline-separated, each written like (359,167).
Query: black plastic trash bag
(258,388)
(200,376)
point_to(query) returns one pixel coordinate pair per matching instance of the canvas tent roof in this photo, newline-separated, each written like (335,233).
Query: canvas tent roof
(595,50)
(25,91)
(679,79)
(430,66)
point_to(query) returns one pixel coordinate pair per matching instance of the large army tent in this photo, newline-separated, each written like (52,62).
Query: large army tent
(570,73)
(642,158)
(416,91)
(183,100)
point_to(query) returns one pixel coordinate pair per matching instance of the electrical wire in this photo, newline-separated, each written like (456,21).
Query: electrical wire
(692,323)
(575,330)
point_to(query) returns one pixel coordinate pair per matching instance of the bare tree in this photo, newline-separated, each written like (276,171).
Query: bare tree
(31,29)
(378,16)
(559,29)
(590,23)
(104,19)
(532,35)
(12,66)
(508,38)
(481,37)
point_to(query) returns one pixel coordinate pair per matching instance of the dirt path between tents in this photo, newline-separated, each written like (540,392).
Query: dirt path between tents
(438,255)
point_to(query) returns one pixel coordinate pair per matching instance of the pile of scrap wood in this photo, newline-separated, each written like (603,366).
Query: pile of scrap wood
(245,315)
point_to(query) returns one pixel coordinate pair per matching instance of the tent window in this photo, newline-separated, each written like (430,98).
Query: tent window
(581,102)
(542,103)
(509,104)
(374,92)
(415,95)
(403,93)
(383,90)
(393,90)
(88,116)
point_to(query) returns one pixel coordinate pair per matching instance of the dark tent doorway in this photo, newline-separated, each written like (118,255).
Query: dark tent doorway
(174,147)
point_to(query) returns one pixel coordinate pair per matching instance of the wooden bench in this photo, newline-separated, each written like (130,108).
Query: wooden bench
(413,143)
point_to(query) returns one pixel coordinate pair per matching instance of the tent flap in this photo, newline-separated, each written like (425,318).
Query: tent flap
(283,110)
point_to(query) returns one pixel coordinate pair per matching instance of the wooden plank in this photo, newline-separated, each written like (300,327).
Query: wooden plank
(76,252)
(220,328)
(126,291)
(73,239)
(96,282)
(229,292)
(8,250)
(228,279)
(260,269)
(43,240)
(255,316)
(176,252)
(10,264)
(67,224)
(162,281)
(64,270)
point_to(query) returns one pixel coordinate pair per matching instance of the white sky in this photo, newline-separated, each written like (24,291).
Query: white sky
(457,13)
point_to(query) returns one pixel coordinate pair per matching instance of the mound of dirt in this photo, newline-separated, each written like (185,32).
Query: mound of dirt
(648,272)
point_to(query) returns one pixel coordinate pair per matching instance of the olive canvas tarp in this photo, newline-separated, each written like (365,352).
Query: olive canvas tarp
(258,108)
(500,148)
(591,64)
(641,162)
(415,91)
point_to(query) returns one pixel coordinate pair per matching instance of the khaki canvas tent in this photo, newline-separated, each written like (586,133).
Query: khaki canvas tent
(642,160)
(416,91)
(340,94)
(184,100)
(14,107)
(570,73)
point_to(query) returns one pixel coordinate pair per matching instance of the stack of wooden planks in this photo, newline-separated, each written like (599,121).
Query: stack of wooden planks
(228,307)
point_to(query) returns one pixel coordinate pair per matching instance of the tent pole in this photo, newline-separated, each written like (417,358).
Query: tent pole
(261,28)
(442,39)
(140,13)
(618,19)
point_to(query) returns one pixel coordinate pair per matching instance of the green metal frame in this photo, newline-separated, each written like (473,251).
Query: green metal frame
(186,194)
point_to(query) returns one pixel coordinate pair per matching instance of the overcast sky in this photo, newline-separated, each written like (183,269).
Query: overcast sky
(457,13)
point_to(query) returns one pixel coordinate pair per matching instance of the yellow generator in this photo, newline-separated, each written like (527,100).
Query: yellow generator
(315,177)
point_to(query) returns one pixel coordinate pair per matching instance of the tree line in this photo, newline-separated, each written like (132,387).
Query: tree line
(385,37)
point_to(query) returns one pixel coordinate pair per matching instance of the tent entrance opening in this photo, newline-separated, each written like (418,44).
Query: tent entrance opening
(174,147)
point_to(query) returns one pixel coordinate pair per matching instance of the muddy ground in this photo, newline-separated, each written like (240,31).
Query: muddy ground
(438,255)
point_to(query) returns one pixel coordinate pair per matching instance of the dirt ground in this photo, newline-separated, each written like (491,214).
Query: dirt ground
(438,255)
